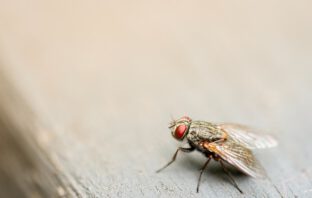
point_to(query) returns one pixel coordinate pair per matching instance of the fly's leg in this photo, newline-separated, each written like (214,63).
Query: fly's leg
(201,172)
(186,150)
(230,176)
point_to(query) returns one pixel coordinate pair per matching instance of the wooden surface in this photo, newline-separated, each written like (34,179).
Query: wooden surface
(88,89)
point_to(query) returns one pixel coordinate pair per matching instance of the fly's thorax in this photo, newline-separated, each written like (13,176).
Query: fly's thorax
(201,130)
(193,137)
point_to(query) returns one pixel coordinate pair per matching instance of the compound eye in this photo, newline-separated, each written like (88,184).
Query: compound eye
(180,131)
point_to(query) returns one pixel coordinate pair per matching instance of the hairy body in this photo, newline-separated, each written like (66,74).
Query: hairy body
(231,143)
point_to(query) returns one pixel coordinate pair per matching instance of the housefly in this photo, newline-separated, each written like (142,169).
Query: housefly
(224,142)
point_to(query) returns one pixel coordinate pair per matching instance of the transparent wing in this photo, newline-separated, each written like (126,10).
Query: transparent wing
(248,136)
(239,156)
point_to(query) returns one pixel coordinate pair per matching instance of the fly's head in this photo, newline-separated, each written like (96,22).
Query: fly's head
(179,128)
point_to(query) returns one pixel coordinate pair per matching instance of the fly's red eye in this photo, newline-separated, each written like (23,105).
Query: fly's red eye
(180,130)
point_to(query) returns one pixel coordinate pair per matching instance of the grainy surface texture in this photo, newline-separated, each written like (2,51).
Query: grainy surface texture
(88,88)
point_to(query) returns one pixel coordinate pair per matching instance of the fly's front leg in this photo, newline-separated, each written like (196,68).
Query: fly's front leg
(186,150)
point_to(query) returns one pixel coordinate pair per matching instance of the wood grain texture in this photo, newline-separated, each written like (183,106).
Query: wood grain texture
(101,81)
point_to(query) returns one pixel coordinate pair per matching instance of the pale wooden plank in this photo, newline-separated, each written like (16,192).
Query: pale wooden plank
(101,81)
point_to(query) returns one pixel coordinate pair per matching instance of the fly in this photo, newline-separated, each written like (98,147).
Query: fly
(225,143)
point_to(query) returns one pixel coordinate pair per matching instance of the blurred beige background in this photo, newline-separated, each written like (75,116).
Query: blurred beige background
(101,79)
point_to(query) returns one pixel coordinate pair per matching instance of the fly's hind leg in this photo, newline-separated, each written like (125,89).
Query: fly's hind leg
(230,176)
(186,150)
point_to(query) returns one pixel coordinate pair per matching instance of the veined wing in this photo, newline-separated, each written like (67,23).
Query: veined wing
(237,155)
(248,136)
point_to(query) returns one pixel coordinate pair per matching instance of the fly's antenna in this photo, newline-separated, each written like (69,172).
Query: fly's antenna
(172,119)
(173,122)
